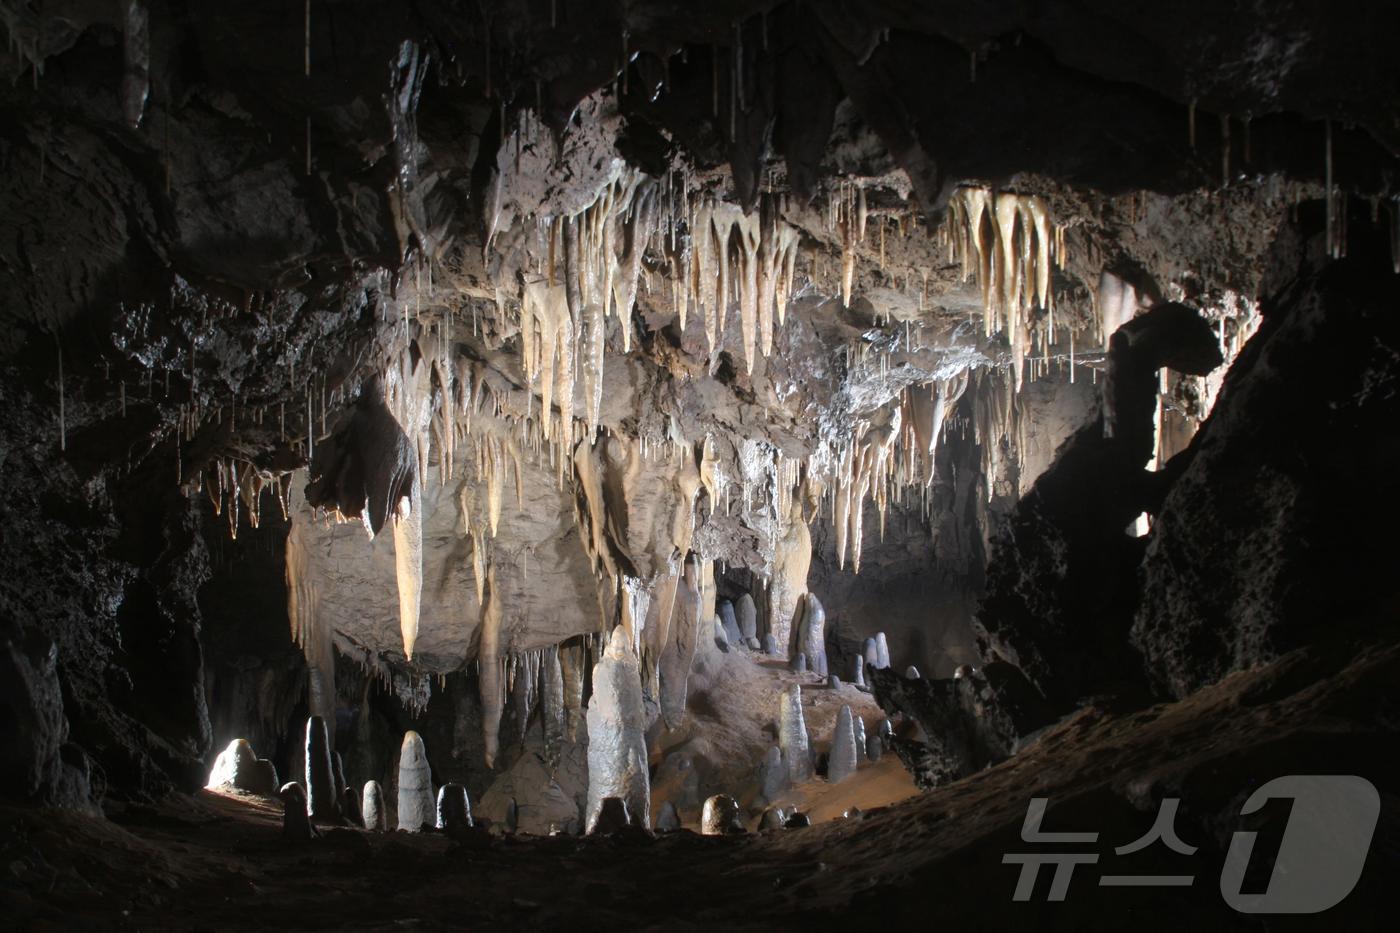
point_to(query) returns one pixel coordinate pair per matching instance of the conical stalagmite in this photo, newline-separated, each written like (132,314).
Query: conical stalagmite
(320,775)
(746,614)
(859,732)
(667,819)
(617,751)
(882,647)
(454,810)
(416,805)
(376,820)
(296,824)
(842,763)
(350,806)
(792,735)
(772,774)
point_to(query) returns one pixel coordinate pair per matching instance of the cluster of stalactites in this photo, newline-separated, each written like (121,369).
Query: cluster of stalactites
(865,469)
(235,487)
(1009,244)
(713,255)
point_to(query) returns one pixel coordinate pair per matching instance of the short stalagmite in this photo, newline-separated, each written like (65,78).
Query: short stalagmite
(295,822)
(792,735)
(237,766)
(350,806)
(883,648)
(772,818)
(859,726)
(376,820)
(725,613)
(799,663)
(667,819)
(416,808)
(617,751)
(320,776)
(454,810)
(721,816)
(871,651)
(912,673)
(747,616)
(842,763)
(772,774)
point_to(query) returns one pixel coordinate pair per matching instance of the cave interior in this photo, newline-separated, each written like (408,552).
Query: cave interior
(752,464)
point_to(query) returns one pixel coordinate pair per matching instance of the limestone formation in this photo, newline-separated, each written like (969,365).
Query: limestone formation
(296,824)
(668,820)
(792,735)
(747,614)
(416,807)
(912,673)
(833,682)
(854,813)
(843,761)
(751,643)
(882,648)
(772,774)
(238,767)
(773,818)
(725,613)
(376,820)
(770,644)
(320,777)
(871,651)
(350,806)
(858,725)
(799,663)
(874,747)
(617,751)
(858,671)
(613,816)
(721,816)
(812,641)
(454,810)
(797,820)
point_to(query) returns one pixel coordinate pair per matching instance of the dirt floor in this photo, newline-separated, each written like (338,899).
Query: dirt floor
(216,862)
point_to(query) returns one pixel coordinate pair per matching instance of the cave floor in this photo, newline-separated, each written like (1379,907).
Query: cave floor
(215,862)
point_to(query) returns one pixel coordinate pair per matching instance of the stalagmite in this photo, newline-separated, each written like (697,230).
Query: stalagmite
(792,735)
(680,642)
(773,818)
(812,641)
(727,619)
(617,752)
(416,808)
(489,666)
(882,649)
(874,747)
(843,761)
(454,810)
(871,652)
(350,806)
(770,644)
(858,726)
(554,716)
(798,665)
(296,824)
(239,767)
(772,774)
(320,776)
(375,818)
(667,819)
(858,671)
(747,616)
(721,816)
(792,561)
(912,673)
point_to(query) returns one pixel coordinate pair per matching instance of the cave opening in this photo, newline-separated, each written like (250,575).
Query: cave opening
(772,464)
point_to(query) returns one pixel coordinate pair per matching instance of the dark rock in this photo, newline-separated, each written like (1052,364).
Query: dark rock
(1261,546)
(454,810)
(721,816)
(667,819)
(320,777)
(1061,579)
(296,821)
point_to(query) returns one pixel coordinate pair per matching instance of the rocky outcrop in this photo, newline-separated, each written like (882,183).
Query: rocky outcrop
(1061,579)
(967,722)
(1262,544)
